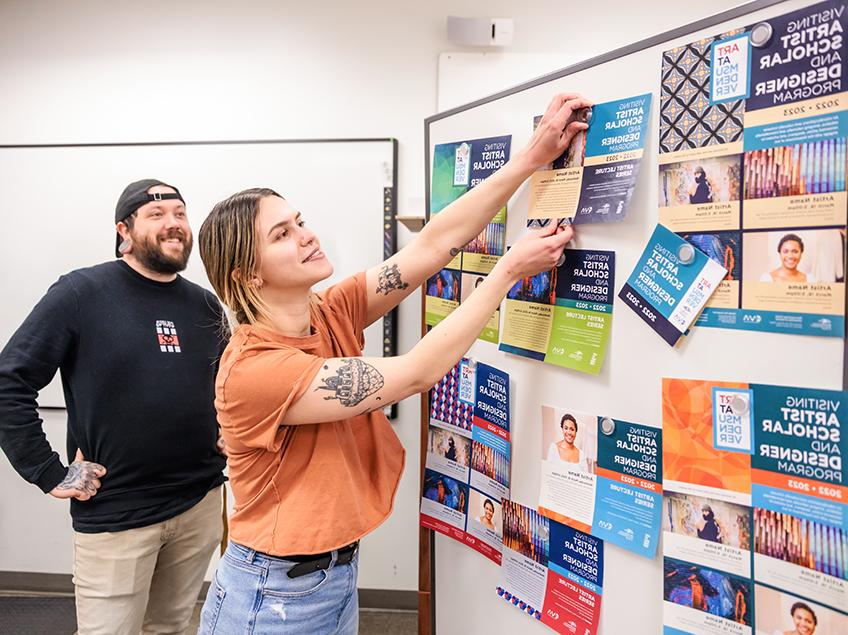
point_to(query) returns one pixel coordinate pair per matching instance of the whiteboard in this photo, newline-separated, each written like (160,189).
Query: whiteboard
(58,207)
(629,386)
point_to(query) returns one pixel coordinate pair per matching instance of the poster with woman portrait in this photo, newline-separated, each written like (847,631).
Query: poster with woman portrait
(468,456)
(753,146)
(755,493)
(602,476)
(784,614)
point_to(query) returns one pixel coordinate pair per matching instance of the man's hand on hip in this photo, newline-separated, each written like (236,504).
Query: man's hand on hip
(82,480)
(221,446)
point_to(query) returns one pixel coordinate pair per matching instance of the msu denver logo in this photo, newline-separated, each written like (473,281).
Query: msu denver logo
(167,334)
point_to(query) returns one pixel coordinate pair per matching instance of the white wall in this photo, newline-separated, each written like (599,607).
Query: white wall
(92,71)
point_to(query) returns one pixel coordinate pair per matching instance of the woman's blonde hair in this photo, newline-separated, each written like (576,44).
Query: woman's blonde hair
(227,242)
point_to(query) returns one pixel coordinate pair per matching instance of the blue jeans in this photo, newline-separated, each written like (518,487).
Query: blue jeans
(252,593)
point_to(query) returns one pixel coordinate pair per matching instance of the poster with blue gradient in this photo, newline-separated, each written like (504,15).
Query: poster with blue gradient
(594,179)
(573,331)
(628,499)
(457,168)
(467,470)
(602,476)
(550,571)
(671,284)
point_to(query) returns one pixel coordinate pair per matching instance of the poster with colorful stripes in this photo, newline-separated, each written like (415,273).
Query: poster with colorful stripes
(550,571)
(467,471)
(602,476)
(754,512)
(753,139)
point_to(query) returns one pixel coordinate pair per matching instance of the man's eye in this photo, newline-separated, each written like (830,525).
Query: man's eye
(301,223)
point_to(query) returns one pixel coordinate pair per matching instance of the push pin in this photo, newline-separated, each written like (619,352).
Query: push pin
(739,405)
(607,426)
(583,115)
(686,253)
(761,35)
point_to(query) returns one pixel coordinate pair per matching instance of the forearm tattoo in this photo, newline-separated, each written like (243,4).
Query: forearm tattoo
(81,476)
(389,279)
(353,381)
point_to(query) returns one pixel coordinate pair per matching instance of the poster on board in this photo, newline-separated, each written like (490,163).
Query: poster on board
(552,572)
(753,129)
(602,476)
(467,470)
(446,290)
(563,316)
(670,284)
(593,180)
(457,168)
(754,507)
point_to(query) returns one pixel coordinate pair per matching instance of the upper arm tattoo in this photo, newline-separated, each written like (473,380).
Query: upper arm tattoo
(353,381)
(389,279)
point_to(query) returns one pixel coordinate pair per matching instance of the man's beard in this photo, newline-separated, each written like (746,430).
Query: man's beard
(150,254)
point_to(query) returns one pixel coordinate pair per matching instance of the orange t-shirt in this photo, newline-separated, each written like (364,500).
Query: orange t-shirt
(303,489)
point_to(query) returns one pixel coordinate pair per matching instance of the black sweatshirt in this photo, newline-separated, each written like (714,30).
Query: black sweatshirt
(138,360)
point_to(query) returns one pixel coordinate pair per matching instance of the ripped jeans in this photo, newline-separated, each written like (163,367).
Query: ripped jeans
(252,593)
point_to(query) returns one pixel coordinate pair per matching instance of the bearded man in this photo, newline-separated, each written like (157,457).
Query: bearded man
(137,347)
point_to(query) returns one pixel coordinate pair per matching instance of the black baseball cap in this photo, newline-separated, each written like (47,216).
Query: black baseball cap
(135,195)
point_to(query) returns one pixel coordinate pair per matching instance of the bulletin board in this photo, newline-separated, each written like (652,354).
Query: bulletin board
(59,200)
(457,586)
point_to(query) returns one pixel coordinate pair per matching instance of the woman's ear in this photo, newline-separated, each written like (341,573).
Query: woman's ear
(255,281)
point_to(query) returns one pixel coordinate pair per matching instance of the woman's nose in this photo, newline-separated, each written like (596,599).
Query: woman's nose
(306,236)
